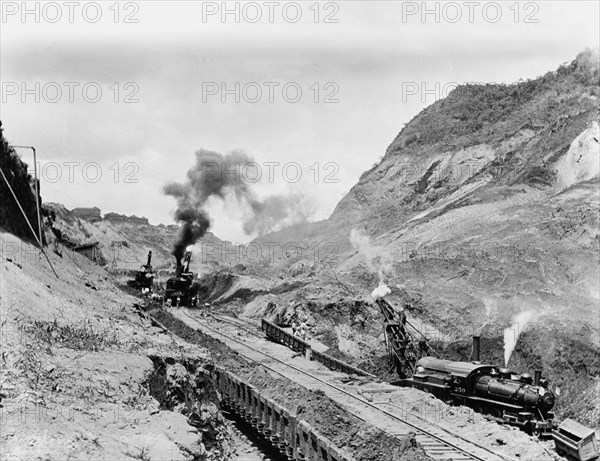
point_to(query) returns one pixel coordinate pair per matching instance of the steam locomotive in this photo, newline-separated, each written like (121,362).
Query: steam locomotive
(144,278)
(510,398)
(181,290)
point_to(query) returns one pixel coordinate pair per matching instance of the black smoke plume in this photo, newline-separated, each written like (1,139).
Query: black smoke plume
(195,225)
(205,179)
(217,175)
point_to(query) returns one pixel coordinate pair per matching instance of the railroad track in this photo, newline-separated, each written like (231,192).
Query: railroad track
(438,443)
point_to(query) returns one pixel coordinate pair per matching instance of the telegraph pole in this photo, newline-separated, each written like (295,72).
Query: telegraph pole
(37,192)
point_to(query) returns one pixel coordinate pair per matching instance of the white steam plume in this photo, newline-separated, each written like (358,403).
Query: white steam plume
(377,259)
(512,333)
(381,290)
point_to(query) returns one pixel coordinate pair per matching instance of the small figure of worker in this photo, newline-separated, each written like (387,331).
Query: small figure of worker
(302,330)
(294,328)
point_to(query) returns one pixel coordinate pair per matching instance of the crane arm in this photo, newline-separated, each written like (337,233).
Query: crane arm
(403,349)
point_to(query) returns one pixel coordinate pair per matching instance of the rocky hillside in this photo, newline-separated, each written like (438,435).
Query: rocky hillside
(482,140)
(125,241)
(483,211)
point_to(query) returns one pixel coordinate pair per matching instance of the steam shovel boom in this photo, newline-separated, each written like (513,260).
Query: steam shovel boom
(403,349)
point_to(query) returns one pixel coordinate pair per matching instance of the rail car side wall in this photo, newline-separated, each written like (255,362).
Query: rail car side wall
(576,440)
(281,336)
(293,437)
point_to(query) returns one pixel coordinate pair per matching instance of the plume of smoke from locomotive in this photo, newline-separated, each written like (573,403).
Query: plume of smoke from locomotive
(381,291)
(275,212)
(207,178)
(377,259)
(214,174)
(218,175)
(512,333)
(195,225)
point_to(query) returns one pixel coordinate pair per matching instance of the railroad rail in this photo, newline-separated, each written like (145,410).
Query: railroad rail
(438,443)
(296,344)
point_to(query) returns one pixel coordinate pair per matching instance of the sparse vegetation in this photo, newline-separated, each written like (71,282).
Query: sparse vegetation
(85,335)
(142,454)
(21,182)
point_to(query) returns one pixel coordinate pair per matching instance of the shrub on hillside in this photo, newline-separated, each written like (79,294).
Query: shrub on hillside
(476,113)
(21,182)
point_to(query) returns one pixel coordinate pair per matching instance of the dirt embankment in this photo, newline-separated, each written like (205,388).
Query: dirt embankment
(187,386)
(78,375)
(223,287)
(343,429)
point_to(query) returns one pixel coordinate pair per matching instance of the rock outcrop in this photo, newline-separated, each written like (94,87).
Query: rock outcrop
(582,161)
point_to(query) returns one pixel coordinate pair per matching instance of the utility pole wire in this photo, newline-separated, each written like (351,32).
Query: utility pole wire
(28,223)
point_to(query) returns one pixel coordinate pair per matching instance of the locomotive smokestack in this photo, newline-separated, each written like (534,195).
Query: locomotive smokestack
(149,259)
(536,377)
(476,348)
(178,268)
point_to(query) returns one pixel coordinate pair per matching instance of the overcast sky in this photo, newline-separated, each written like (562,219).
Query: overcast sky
(173,62)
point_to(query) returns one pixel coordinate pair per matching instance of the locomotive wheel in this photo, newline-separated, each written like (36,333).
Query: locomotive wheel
(496,412)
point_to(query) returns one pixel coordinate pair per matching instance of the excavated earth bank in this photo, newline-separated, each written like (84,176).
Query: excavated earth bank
(346,431)
(187,385)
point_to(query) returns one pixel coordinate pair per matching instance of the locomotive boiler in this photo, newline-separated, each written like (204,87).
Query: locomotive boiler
(510,398)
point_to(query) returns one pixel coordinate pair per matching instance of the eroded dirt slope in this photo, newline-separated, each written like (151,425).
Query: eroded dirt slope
(77,367)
